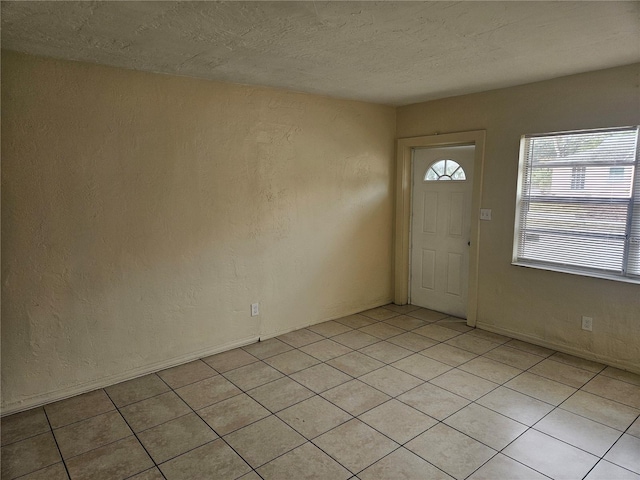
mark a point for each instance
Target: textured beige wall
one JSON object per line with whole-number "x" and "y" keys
{"x": 143, "y": 214}
{"x": 540, "y": 305}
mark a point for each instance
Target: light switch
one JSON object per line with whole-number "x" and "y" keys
{"x": 485, "y": 214}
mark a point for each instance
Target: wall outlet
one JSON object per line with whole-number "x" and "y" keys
{"x": 587, "y": 323}
{"x": 485, "y": 214}
{"x": 255, "y": 309}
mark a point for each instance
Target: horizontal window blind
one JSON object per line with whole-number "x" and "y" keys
{"x": 576, "y": 206}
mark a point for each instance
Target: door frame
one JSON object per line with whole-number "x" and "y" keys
{"x": 402, "y": 231}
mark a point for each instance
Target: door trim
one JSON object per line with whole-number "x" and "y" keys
{"x": 402, "y": 238}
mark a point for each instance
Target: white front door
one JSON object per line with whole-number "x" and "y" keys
{"x": 441, "y": 228}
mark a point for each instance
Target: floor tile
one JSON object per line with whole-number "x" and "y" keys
{"x": 382, "y": 330}
{"x": 121, "y": 459}
{"x": 306, "y": 462}
{"x": 267, "y": 348}
{"x": 441, "y": 446}
{"x": 320, "y": 377}
{"x": 403, "y": 465}
{"x": 490, "y": 370}
{"x": 599, "y": 409}
{"x": 436, "y": 332}
{"x": 280, "y": 394}
{"x": 386, "y": 352}
{"x": 264, "y": 440}
{"x": 355, "y": 364}
{"x": 405, "y": 322}
{"x": 448, "y": 354}
{"x": 621, "y": 375}
{"x": 578, "y": 431}
{"x": 577, "y": 362}
{"x": 137, "y": 389}
{"x": 235, "y": 412}
{"x": 412, "y": 341}
{"x": 176, "y": 437}
{"x": 252, "y": 375}
{"x": 355, "y": 339}
{"x": 355, "y": 397}
{"x": 549, "y": 456}
{"x": 355, "y": 445}
{"x": 207, "y": 392}
{"x": 154, "y": 411}
{"x": 427, "y": 315}
{"x": 563, "y": 373}
{"x": 213, "y": 460}
{"x": 626, "y": 453}
{"x": 401, "y": 309}
{"x": 501, "y": 467}
{"x": 379, "y": 313}
{"x": 329, "y": 329}
{"x": 313, "y": 417}
{"x": 515, "y": 405}
{"x": 453, "y": 377}
{"x": 464, "y": 384}
{"x": 530, "y": 348}
{"x": 325, "y": 350}
{"x": 78, "y": 408}
{"x": 151, "y": 474}
{"x": 622, "y": 392}
{"x": 300, "y": 338}
{"x": 182, "y": 375}
{"x": 53, "y": 472}
{"x": 434, "y": 401}
{"x": 513, "y": 357}
{"x": 232, "y": 359}
{"x": 391, "y": 381}
{"x": 422, "y": 367}
{"x": 355, "y": 321}
{"x": 29, "y": 455}
{"x": 20, "y": 426}
{"x": 397, "y": 420}
{"x": 91, "y": 433}
{"x": 472, "y": 344}
{"x": 291, "y": 361}
{"x": 608, "y": 471}
{"x": 541, "y": 388}
{"x": 486, "y": 426}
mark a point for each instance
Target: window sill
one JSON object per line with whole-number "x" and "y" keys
{"x": 582, "y": 273}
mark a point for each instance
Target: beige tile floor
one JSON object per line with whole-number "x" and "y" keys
{"x": 391, "y": 393}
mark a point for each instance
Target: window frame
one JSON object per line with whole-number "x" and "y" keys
{"x": 632, "y": 202}
{"x": 444, "y": 176}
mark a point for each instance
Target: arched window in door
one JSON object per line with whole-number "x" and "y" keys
{"x": 444, "y": 170}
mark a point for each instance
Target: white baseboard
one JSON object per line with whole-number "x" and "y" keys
{"x": 578, "y": 352}
{"x": 359, "y": 310}
{"x": 45, "y": 398}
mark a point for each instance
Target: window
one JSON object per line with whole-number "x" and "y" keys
{"x": 444, "y": 170}
{"x": 578, "y": 205}
{"x": 578, "y": 176}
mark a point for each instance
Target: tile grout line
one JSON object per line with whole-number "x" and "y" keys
{"x": 135, "y": 434}
{"x": 64, "y": 463}
{"x": 353, "y": 417}
{"x": 220, "y": 437}
{"x": 401, "y": 445}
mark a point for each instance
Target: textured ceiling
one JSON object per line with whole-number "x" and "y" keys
{"x": 385, "y": 52}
